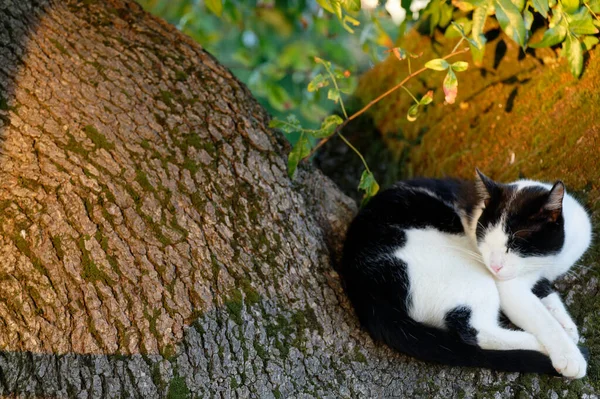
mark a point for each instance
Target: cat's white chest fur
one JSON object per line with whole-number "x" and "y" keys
{"x": 445, "y": 272}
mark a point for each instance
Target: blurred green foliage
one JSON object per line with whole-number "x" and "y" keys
{"x": 271, "y": 45}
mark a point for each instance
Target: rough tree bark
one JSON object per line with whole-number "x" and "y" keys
{"x": 151, "y": 243}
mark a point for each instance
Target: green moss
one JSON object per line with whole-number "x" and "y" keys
{"x": 152, "y": 318}
{"x": 234, "y": 305}
{"x": 198, "y": 200}
{"x": 260, "y": 351}
{"x": 23, "y": 246}
{"x": 252, "y": 297}
{"x": 28, "y": 183}
{"x": 59, "y": 46}
{"x": 98, "y": 138}
{"x": 156, "y": 229}
{"x": 358, "y": 356}
{"x": 277, "y": 394}
{"x": 193, "y": 140}
{"x": 145, "y": 144}
{"x": 169, "y": 352}
{"x": 134, "y": 195}
{"x": 177, "y": 227}
{"x": 167, "y": 97}
{"x": 142, "y": 179}
{"x": 191, "y": 165}
{"x": 76, "y": 147}
{"x": 181, "y": 76}
{"x": 178, "y": 389}
{"x": 57, "y": 244}
{"x": 90, "y": 271}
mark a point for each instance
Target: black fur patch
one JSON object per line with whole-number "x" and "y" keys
{"x": 497, "y": 203}
{"x": 458, "y": 321}
{"x": 542, "y": 288}
{"x": 532, "y": 231}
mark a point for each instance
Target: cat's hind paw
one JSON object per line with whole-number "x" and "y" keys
{"x": 570, "y": 365}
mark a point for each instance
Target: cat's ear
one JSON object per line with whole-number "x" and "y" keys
{"x": 554, "y": 203}
{"x": 485, "y": 187}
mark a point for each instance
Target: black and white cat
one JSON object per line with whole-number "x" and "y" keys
{"x": 429, "y": 266}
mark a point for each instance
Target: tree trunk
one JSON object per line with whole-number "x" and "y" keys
{"x": 152, "y": 244}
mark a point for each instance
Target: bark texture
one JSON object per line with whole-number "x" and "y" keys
{"x": 151, "y": 243}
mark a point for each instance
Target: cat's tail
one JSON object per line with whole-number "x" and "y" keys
{"x": 398, "y": 331}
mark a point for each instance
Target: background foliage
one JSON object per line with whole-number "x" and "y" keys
{"x": 300, "y": 58}
{"x": 271, "y": 45}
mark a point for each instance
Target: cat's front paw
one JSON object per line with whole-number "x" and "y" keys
{"x": 570, "y": 363}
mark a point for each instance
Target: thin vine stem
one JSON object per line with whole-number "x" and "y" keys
{"x": 593, "y": 13}
{"x": 355, "y": 150}
{"x": 336, "y": 88}
{"x": 376, "y": 100}
{"x": 410, "y": 93}
{"x": 458, "y": 44}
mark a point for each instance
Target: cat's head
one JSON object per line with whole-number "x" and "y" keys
{"x": 520, "y": 227}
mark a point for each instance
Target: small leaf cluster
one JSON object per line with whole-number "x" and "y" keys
{"x": 334, "y": 79}
{"x": 450, "y": 81}
{"x": 572, "y": 23}
{"x": 341, "y": 8}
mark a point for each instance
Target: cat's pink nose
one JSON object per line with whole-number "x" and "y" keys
{"x": 496, "y": 268}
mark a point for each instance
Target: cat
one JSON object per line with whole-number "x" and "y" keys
{"x": 430, "y": 265}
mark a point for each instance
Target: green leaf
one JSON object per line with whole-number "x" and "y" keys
{"x": 528, "y": 19}
{"x": 589, "y": 42}
{"x": 437, "y": 64}
{"x": 478, "y": 51}
{"x": 552, "y": 37}
{"x": 594, "y": 6}
{"x": 427, "y": 98}
{"x": 333, "y": 94}
{"x": 450, "y": 87}
{"x": 347, "y": 20}
{"x": 351, "y": 5}
{"x": 290, "y": 125}
{"x": 326, "y": 5}
{"x": 462, "y": 33}
{"x": 412, "y": 113}
{"x": 479, "y": 18}
{"x": 583, "y": 26}
{"x": 445, "y": 15}
{"x": 318, "y": 82}
{"x": 460, "y": 66}
{"x": 328, "y": 126}
{"x": 541, "y": 6}
{"x": 300, "y": 150}
{"x": 570, "y": 6}
{"x": 369, "y": 185}
{"x": 458, "y": 28}
{"x": 520, "y": 4}
{"x": 478, "y": 3}
{"x": 434, "y": 12}
{"x": 510, "y": 20}
{"x": 215, "y": 6}
{"x": 574, "y": 53}
{"x": 278, "y": 97}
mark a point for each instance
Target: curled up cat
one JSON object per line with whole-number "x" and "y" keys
{"x": 430, "y": 265}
